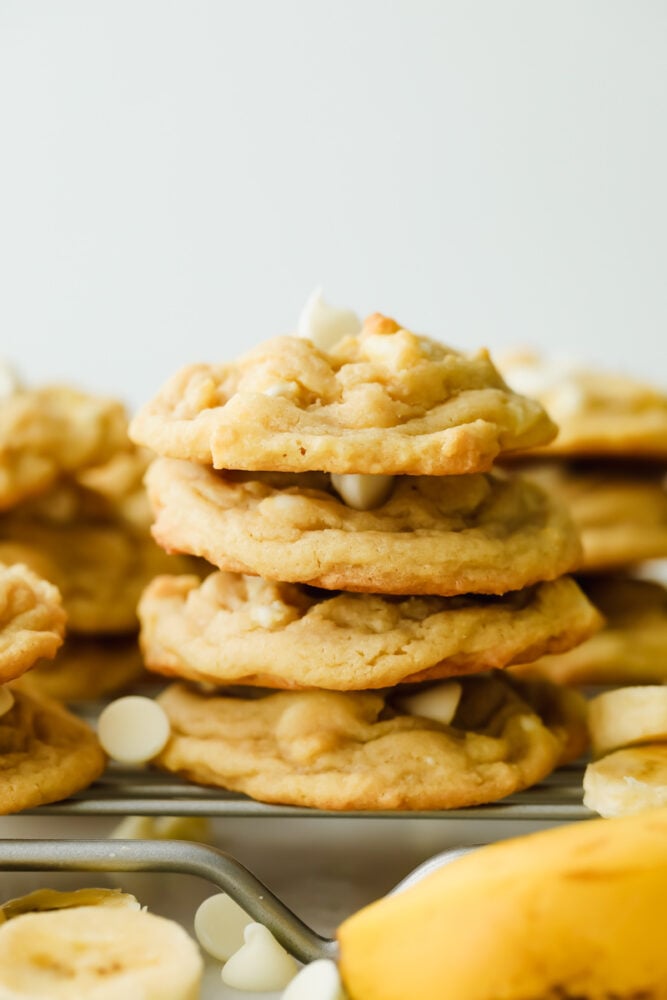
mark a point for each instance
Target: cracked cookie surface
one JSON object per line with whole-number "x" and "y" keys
{"x": 232, "y": 629}
{"x": 386, "y": 401}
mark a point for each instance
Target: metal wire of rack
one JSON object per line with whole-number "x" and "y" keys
{"x": 142, "y": 792}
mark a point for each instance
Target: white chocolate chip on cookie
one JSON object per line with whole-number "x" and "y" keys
{"x": 362, "y": 492}
{"x": 325, "y": 325}
{"x": 438, "y": 702}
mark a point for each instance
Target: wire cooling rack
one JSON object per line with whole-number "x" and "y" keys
{"x": 143, "y": 792}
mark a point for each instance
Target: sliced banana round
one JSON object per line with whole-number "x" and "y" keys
{"x": 97, "y": 952}
{"x": 627, "y": 716}
{"x": 54, "y": 899}
{"x": 627, "y": 781}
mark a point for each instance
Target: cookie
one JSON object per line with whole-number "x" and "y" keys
{"x": 232, "y": 629}
{"x": 32, "y": 620}
{"x": 627, "y": 781}
{"x": 99, "y": 559}
{"x": 46, "y": 754}
{"x": 632, "y": 646}
{"x": 483, "y": 533}
{"x": 597, "y": 413}
{"x": 619, "y": 510}
{"x": 335, "y": 750}
{"x": 89, "y": 668}
{"x": 120, "y": 484}
{"x": 50, "y": 431}
{"x": 386, "y": 401}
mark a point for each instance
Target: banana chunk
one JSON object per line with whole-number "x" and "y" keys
{"x": 627, "y": 781}
{"x": 627, "y": 716}
{"x": 97, "y": 952}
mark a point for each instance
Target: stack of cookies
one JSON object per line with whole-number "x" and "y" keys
{"x": 365, "y": 550}
{"x": 73, "y": 508}
{"x": 45, "y": 753}
{"x": 608, "y": 464}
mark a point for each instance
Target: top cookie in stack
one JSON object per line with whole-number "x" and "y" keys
{"x": 361, "y": 468}
{"x": 608, "y": 465}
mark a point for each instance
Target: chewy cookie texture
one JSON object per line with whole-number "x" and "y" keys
{"x": 219, "y": 632}
{"x": 483, "y": 533}
{"x": 73, "y": 508}
{"x": 384, "y": 401}
{"x": 345, "y": 750}
{"x": 344, "y": 587}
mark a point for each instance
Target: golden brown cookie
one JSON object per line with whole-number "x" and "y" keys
{"x": 46, "y": 753}
{"x": 232, "y": 629}
{"x": 32, "y": 620}
{"x": 620, "y": 510}
{"x": 100, "y": 560}
{"x": 335, "y": 750}
{"x": 387, "y": 401}
{"x": 597, "y": 413}
{"x": 50, "y": 431}
{"x": 630, "y": 649}
{"x": 484, "y": 533}
{"x": 120, "y": 484}
{"x": 89, "y": 668}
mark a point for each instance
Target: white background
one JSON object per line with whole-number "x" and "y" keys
{"x": 175, "y": 177}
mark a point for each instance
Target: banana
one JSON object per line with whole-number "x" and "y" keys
{"x": 97, "y": 953}
{"x": 53, "y": 899}
{"x": 627, "y": 781}
{"x": 576, "y": 911}
{"x": 627, "y": 715}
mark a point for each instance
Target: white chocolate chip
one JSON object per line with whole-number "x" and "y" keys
{"x": 9, "y": 379}
{"x": 219, "y": 926}
{"x": 134, "y": 828}
{"x": 162, "y": 828}
{"x": 535, "y": 378}
{"x": 281, "y": 389}
{"x": 133, "y": 729}
{"x": 325, "y": 325}
{"x": 268, "y": 615}
{"x": 565, "y": 400}
{"x": 438, "y": 702}
{"x": 260, "y": 964}
{"x": 320, "y": 980}
{"x": 6, "y": 699}
{"x": 361, "y": 491}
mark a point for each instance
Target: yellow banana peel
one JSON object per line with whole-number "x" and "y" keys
{"x": 572, "y": 913}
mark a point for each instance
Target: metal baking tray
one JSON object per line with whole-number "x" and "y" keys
{"x": 299, "y": 878}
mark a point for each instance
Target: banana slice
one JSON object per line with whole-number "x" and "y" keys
{"x": 97, "y": 952}
{"x": 626, "y": 716}
{"x": 627, "y": 781}
{"x": 53, "y": 899}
